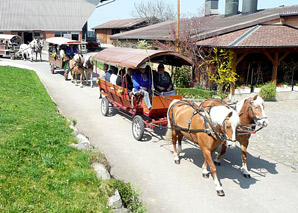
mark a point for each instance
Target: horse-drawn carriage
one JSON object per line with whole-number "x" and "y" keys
{"x": 58, "y": 57}
{"x": 126, "y": 101}
{"x": 10, "y": 45}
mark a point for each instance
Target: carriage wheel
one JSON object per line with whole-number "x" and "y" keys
{"x": 104, "y": 106}
{"x": 138, "y": 127}
{"x": 52, "y": 69}
{"x": 12, "y": 56}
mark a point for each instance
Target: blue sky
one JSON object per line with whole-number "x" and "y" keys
{"x": 122, "y": 9}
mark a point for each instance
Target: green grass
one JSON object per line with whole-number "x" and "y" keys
{"x": 39, "y": 171}
{"x": 195, "y": 93}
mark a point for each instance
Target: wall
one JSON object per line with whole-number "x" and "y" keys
{"x": 104, "y": 36}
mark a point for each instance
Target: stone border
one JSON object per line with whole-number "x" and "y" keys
{"x": 115, "y": 201}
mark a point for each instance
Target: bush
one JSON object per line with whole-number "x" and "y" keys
{"x": 182, "y": 77}
{"x": 268, "y": 91}
{"x": 195, "y": 93}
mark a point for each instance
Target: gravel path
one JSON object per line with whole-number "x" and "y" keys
{"x": 279, "y": 140}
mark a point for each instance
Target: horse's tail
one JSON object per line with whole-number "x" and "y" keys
{"x": 169, "y": 131}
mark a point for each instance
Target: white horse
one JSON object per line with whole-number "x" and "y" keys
{"x": 37, "y": 46}
{"x": 88, "y": 69}
{"x": 26, "y": 52}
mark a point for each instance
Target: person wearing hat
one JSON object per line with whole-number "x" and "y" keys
{"x": 162, "y": 80}
{"x": 142, "y": 84}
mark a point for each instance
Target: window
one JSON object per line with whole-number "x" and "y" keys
{"x": 75, "y": 37}
{"x": 36, "y": 34}
{"x": 60, "y": 34}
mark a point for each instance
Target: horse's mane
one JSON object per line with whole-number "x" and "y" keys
{"x": 219, "y": 113}
{"x": 258, "y": 102}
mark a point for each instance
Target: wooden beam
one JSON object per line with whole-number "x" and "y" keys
{"x": 275, "y": 67}
{"x": 283, "y": 57}
{"x": 241, "y": 58}
{"x": 269, "y": 57}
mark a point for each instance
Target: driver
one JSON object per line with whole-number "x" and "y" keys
{"x": 142, "y": 84}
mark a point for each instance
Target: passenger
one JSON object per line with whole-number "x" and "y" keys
{"x": 102, "y": 72}
{"x": 119, "y": 80}
{"x": 127, "y": 79}
{"x": 163, "y": 82}
{"x": 71, "y": 51}
{"x": 142, "y": 84}
{"x": 114, "y": 76}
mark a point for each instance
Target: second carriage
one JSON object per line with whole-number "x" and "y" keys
{"x": 58, "y": 58}
{"x": 10, "y": 45}
{"x": 126, "y": 101}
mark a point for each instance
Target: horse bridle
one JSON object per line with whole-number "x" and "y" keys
{"x": 255, "y": 118}
{"x": 224, "y": 132}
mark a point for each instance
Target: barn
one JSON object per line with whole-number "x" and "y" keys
{"x": 45, "y": 18}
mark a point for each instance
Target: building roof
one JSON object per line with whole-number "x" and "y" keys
{"x": 45, "y": 15}
{"x": 121, "y": 24}
{"x": 206, "y": 27}
{"x": 259, "y": 36}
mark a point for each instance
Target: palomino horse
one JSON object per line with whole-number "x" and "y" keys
{"x": 37, "y": 46}
{"x": 76, "y": 67}
{"x": 251, "y": 112}
{"x": 88, "y": 68}
{"x": 207, "y": 130}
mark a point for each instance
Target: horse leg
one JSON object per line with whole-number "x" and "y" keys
{"x": 208, "y": 158}
{"x": 174, "y": 140}
{"x": 222, "y": 152}
{"x": 180, "y": 136}
{"x": 76, "y": 78}
{"x": 205, "y": 172}
{"x": 244, "y": 169}
{"x": 81, "y": 79}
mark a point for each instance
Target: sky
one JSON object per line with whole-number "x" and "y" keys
{"x": 122, "y": 9}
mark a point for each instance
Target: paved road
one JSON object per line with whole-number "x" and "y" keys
{"x": 167, "y": 187}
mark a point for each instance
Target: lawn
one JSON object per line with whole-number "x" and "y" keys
{"x": 39, "y": 171}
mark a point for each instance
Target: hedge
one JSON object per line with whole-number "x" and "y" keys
{"x": 195, "y": 93}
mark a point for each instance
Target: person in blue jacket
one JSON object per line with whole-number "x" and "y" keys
{"x": 142, "y": 84}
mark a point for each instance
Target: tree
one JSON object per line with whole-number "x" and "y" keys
{"x": 154, "y": 11}
{"x": 190, "y": 29}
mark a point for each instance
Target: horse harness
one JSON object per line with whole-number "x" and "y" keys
{"x": 205, "y": 116}
{"x": 250, "y": 128}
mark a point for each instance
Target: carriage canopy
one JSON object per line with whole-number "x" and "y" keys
{"x": 63, "y": 41}
{"x": 133, "y": 58}
{"x": 6, "y": 37}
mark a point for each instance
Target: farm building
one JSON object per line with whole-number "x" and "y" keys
{"x": 265, "y": 42}
{"x": 45, "y": 18}
{"x": 105, "y": 30}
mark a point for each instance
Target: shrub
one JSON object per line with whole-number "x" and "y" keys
{"x": 182, "y": 77}
{"x": 268, "y": 91}
{"x": 195, "y": 93}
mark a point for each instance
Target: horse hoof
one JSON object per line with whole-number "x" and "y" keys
{"x": 177, "y": 161}
{"x": 205, "y": 176}
{"x": 246, "y": 175}
{"x": 216, "y": 163}
{"x": 220, "y": 193}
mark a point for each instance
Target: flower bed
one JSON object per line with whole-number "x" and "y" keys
{"x": 243, "y": 89}
{"x": 283, "y": 88}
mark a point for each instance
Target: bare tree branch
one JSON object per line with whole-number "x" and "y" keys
{"x": 154, "y": 11}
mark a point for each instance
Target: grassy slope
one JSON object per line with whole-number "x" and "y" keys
{"x": 39, "y": 171}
